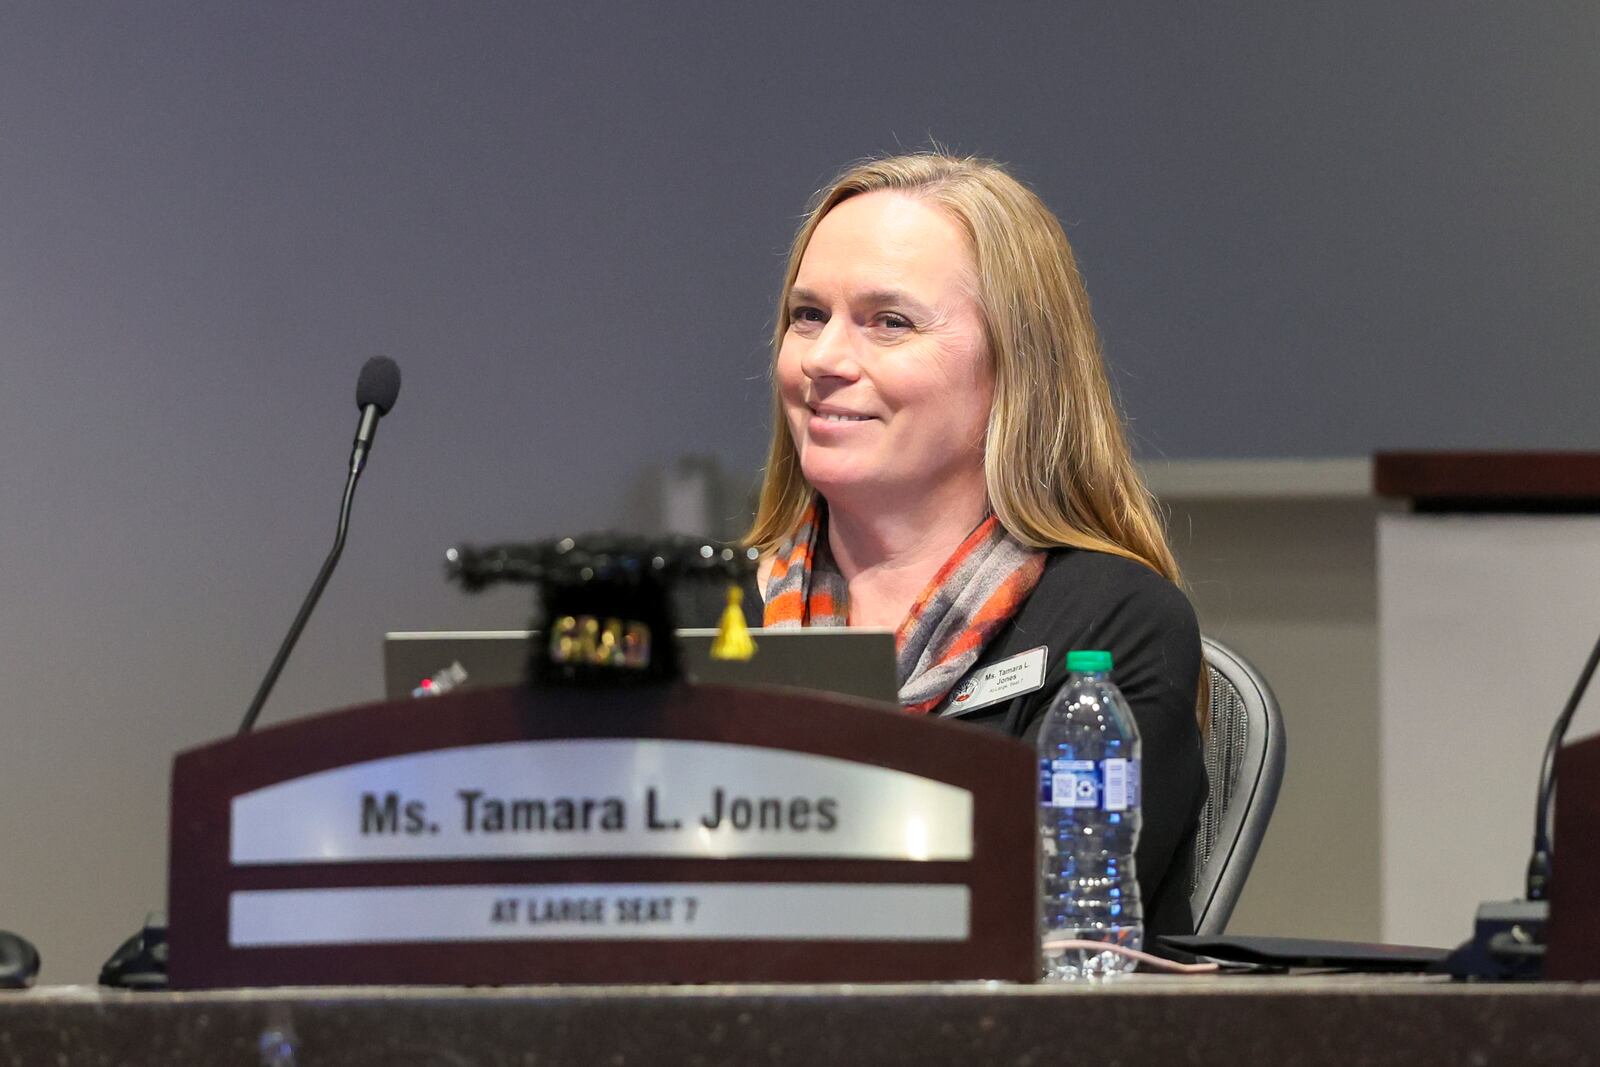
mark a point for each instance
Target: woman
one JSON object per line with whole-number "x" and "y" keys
{"x": 947, "y": 461}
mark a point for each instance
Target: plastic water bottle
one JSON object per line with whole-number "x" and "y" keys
{"x": 1089, "y": 822}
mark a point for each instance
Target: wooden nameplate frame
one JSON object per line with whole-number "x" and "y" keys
{"x": 675, "y": 834}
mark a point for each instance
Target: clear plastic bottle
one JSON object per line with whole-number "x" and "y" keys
{"x": 1089, "y": 822}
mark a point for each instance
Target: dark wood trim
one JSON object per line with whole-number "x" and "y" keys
{"x": 1573, "y": 937}
{"x": 1481, "y": 480}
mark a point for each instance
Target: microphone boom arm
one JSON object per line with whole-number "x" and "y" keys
{"x": 310, "y": 603}
{"x": 1539, "y": 863}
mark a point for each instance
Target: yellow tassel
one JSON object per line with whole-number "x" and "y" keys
{"x": 733, "y": 636}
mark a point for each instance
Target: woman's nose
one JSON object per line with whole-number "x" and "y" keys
{"x": 832, "y": 353}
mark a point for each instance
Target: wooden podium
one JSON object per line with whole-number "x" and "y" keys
{"x": 680, "y": 833}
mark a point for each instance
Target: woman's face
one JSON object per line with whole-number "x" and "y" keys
{"x": 883, "y": 373}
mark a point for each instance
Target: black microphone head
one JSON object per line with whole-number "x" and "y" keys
{"x": 378, "y": 385}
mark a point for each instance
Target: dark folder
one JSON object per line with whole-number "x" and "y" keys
{"x": 1304, "y": 952}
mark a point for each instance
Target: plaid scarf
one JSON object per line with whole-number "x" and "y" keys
{"x": 975, "y": 592}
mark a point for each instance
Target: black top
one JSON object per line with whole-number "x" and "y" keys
{"x": 1094, "y": 600}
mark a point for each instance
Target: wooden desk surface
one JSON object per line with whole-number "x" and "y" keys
{"x": 1333, "y": 1019}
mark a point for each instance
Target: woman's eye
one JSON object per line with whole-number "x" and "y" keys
{"x": 805, "y": 314}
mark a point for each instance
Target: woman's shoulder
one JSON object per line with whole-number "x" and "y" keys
{"x": 1084, "y": 591}
{"x": 1103, "y": 578}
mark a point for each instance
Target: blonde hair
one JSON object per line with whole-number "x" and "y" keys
{"x": 1057, "y": 465}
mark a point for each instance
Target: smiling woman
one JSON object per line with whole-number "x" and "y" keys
{"x": 947, "y": 461}
{"x": 884, "y": 375}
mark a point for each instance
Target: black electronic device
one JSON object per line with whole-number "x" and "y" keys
{"x": 1507, "y": 943}
{"x": 141, "y": 961}
{"x": 19, "y": 961}
{"x": 604, "y": 613}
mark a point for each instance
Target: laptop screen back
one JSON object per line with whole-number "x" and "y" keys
{"x": 850, "y": 662}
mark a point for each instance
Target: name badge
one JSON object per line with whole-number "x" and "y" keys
{"x": 1022, "y": 673}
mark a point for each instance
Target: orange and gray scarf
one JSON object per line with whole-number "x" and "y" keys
{"x": 978, "y": 589}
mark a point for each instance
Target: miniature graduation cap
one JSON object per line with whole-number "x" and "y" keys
{"x": 604, "y": 602}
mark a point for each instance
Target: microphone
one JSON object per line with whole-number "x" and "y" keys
{"x": 1508, "y": 938}
{"x": 376, "y": 391}
{"x": 1539, "y": 863}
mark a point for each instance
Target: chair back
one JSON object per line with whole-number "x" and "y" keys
{"x": 1244, "y": 752}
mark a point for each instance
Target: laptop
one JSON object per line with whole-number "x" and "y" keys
{"x": 848, "y": 661}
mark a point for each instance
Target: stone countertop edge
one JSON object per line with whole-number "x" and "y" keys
{"x": 1141, "y": 985}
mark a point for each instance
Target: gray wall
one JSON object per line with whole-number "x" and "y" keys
{"x": 1292, "y": 584}
{"x": 1309, "y": 230}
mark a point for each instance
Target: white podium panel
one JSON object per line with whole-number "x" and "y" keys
{"x": 1484, "y": 622}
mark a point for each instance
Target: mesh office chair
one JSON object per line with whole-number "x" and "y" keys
{"x": 1244, "y": 760}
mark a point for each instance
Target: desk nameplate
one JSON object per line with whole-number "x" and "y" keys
{"x": 904, "y": 848}
{"x": 602, "y": 797}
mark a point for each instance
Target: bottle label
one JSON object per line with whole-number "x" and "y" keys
{"x": 1110, "y": 785}
{"x": 1120, "y": 781}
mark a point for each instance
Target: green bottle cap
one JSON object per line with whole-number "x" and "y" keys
{"x": 1087, "y": 661}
